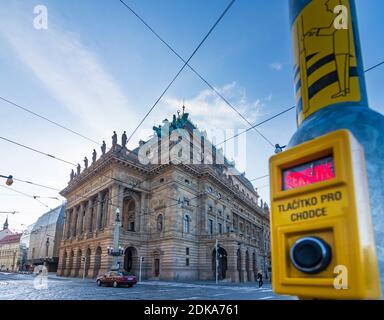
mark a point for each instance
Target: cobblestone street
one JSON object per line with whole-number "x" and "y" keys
{"x": 20, "y": 287}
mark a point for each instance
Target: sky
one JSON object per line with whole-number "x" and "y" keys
{"x": 97, "y": 68}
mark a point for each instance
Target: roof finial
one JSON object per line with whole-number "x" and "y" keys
{"x": 5, "y": 226}
{"x": 183, "y": 107}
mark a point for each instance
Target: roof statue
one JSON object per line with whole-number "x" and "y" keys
{"x": 103, "y": 148}
{"x": 5, "y": 225}
{"x": 85, "y": 162}
{"x": 114, "y": 139}
{"x": 94, "y": 156}
{"x": 124, "y": 140}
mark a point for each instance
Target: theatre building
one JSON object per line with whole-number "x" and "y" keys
{"x": 172, "y": 215}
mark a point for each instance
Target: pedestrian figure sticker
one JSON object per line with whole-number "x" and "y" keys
{"x": 325, "y": 69}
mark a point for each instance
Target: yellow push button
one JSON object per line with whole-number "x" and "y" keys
{"x": 310, "y": 255}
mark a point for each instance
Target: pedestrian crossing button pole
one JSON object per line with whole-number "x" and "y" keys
{"x": 330, "y": 91}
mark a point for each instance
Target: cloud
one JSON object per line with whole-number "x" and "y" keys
{"x": 72, "y": 73}
{"x": 211, "y": 114}
{"x": 276, "y": 66}
{"x": 207, "y": 110}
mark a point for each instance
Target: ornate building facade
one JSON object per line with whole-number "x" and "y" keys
{"x": 172, "y": 213}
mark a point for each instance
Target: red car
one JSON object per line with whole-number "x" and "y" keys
{"x": 117, "y": 278}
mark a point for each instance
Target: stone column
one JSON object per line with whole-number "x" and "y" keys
{"x": 80, "y": 219}
{"x": 73, "y": 221}
{"x": 204, "y": 215}
{"x": 81, "y": 262}
{"x": 66, "y": 220}
{"x": 232, "y": 263}
{"x": 143, "y": 217}
{"x": 69, "y": 223}
{"x": 88, "y": 218}
{"x": 75, "y": 264}
{"x": 91, "y": 262}
{"x": 60, "y": 263}
{"x": 251, "y": 271}
{"x": 106, "y": 207}
{"x": 98, "y": 211}
{"x": 243, "y": 267}
{"x": 138, "y": 222}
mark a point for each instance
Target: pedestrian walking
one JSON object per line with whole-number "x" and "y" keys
{"x": 260, "y": 279}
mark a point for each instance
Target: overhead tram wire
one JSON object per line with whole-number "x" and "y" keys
{"x": 259, "y": 178}
{"x": 182, "y": 68}
{"x": 277, "y": 115}
{"x": 36, "y": 184}
{"x": 49, "y": 120}
{"x": 65, "y": 161}
{"x": 195, "y": 72}
{"x": 257, "y": 125}
{"x": 26, "y": 195}
{"x": 125, "y": 183}
{"x": 132, "y": 186}
{"x": 374, "y": 67}
{"x": 37, "y": 151}
{"x": 93, "y": 141}
{"x": 109, "y": 203}
{"x": 62, "y": 160}
{"x": 286, "y": 110}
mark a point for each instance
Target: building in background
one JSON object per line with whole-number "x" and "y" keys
{"x": 45, "y": 238}
{"x": 5, "y": 232}
{"x": 24, "y": 242}
{"x": 171, "y": 214}
{"x": 11, "y": 252}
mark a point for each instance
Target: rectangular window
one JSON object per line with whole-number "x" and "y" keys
{"x": 186, "y": 224}
{"x": 187, "y": 251}
{"x": 210, "y": 226}
{"x": 187, "y": 262}
{"x": 220, "y": 228}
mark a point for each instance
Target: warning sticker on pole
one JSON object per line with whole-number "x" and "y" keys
{"x": 325, "y": 68}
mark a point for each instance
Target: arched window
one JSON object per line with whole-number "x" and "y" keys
{"x": 129, "y": 214}
{"x": 160, "y": 222}
{"x": 186, "y": 224}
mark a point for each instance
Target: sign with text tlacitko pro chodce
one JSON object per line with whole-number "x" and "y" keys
{"x": 322, "y": 238}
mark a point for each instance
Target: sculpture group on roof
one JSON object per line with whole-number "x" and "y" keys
{"x": 103, "y": 148}
{"x": 177, "y": 123}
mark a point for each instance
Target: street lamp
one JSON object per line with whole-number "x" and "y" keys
{"x": 116, "y": 250}
{"x": 115, "y": 253}
{"x": 9, "y": 180}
